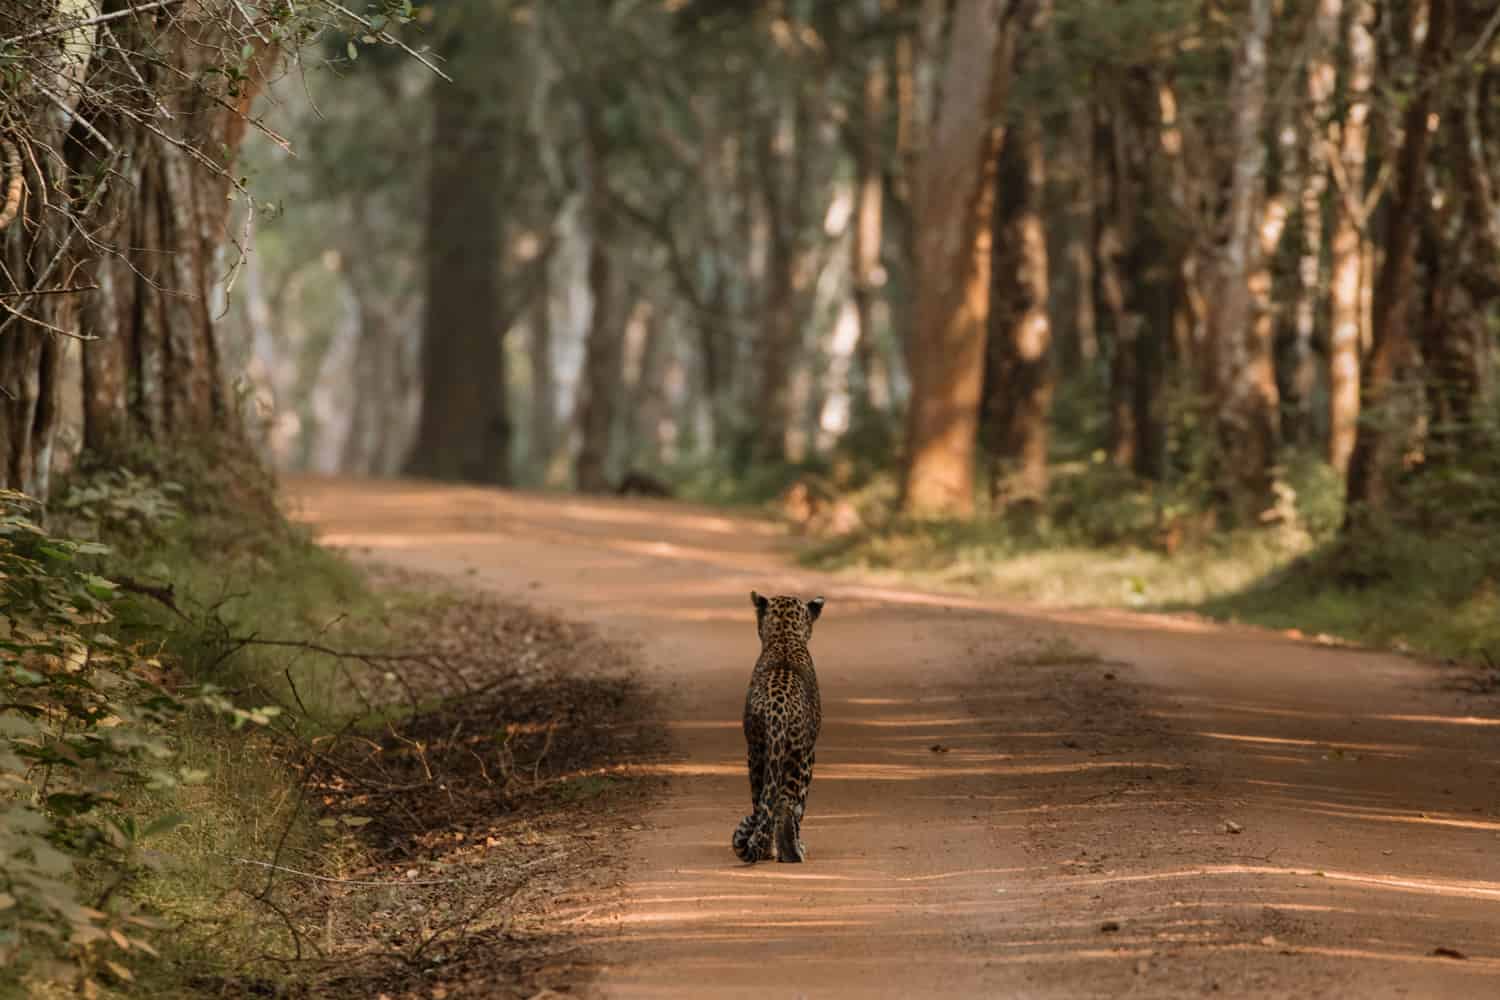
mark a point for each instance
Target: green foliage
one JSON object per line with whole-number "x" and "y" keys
{"x": 83, "y": 719}
{"x": 1423, "y": 574}
{"x": 121, "y": 503}
{"x": 130, "y": 712}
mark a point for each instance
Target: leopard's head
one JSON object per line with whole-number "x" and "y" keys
{"x": 780, "y": 618}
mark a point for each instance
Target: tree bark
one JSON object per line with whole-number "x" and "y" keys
{"x": 463, "y": 432}
{"x": 1322, "y": 76}
{"x": 872, "y": 391}
{"x": 1079, "y": 341}
{"x": 156, "y": 192}
{"x": 1462, "y": 248}
{"x": 1113, "y": 234}
{"x": 1019, "y": 377}
{"x": 783, "y": 147}
{"x": 1391, "y": 338}
{"x": 956, "y": 190}
{"x": 543, "y": 436}
{"x": 1248, "y": 421}
{"x": 1346, "y": 266}
{"x": 602, "y": 365}
{"x": 649, "y": 407}
{"x": 1137, "y": 268}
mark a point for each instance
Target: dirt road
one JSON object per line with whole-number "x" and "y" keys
{"x": 1007, "y": 802}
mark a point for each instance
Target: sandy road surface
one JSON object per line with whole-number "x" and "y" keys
{"x": 1007, "y": 802}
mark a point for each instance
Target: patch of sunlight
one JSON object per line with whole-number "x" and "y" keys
{"x": 1462, "y": 888}
{"x": 1441, "y": 720}
{"x": 1391, "y": 749}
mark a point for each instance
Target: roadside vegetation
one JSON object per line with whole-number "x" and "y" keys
{"x": 231, "y": 762}
{"x": 1425, "y": 577}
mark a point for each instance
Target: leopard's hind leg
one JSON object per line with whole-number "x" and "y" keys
{"x": 754, "y": 837}
{"x": 796, "y": 779}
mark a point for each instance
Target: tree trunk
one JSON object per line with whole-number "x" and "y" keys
{"x": 1463, "y": 248}
{"x": 1116, "y": 208}
{"x": 1244, "y": 372}
{"x": 602, "y": 375}
{"x": 872, "y": 390}
{"x": 1078, "y": 342}
{"x": 1137, "y": 269}
{"x": 782, "y": 169}
{"x": 1018, "y": 390}
{"x": 956, "y": 190}
{"x": 463, "y": 432}
{"x": 157, "y": 189}
{"x": 1346, "y": 281}
{"x": 645, "y": 364}
{"x": 1391, "y": 338}
{"x": 1321, "y": 79}
{"x": 543, "y": 436}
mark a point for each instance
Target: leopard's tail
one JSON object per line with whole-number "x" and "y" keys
{"x": 752, "y": 838}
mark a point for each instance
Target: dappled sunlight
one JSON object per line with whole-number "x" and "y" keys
{"x": 1437, "y": 887}
{"x": 897, "y": 772}
{"x": 1441, "y": 720}
{"x": 1418, "y": 819}
{"x": 1374, "y": 749}
{"x": 1489, "y": 965}
{"x": 973, "y": 801}
{"x": 908, "y": 722}
{"x": 658, "y": 517}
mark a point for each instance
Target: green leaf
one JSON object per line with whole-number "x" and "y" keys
{"x": 100, "y": 587}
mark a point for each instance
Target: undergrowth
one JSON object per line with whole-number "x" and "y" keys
{"x": 1424, "y": 578}
{"x": 1101, "y": 538}
{"x": 146, "y": 729}
{"x": 1423, "y": 574}
{"x": 220, "y": 776}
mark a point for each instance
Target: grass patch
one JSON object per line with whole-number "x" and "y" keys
{"x": 1438, "y": 595}
{"x": 993, "y": 558}
{"x": 1428, "y": 583}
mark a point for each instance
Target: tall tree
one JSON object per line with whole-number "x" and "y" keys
{"x": 873, "y": 381}
{"x": 1322, "y": 77}
{"x": 955, "y": 192}
{"x": 1349, "y": 138}
{"x": 602, "y": 378}
{"x": 464, "y": 429}
{"x": 121, "y": 139}
{"x": 1247, "y": 403}
{"x": 1394, "y": 290}
{"x": 1019, "y": 376}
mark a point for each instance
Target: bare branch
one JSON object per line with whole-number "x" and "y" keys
{"x": 67, "y": 26}
{"x": 388, "y": 38}
{"x": 13, "y": 184}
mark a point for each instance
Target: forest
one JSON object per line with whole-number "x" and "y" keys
{"x": 1144, "y": 274}
{"x": 1177, "y": 306}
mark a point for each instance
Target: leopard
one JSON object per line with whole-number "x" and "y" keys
{"x": 783, "y": 714}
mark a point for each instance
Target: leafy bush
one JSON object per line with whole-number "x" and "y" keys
{"x": 86, "y": 724}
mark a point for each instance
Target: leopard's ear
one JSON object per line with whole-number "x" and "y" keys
{"x": 761, "y": 603}
{"x": 814, "y": 608}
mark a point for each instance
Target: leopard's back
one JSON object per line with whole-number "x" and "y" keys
{"x": 783, "y": 714}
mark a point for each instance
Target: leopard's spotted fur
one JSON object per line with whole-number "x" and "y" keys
{"x": 782, "y": 716}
